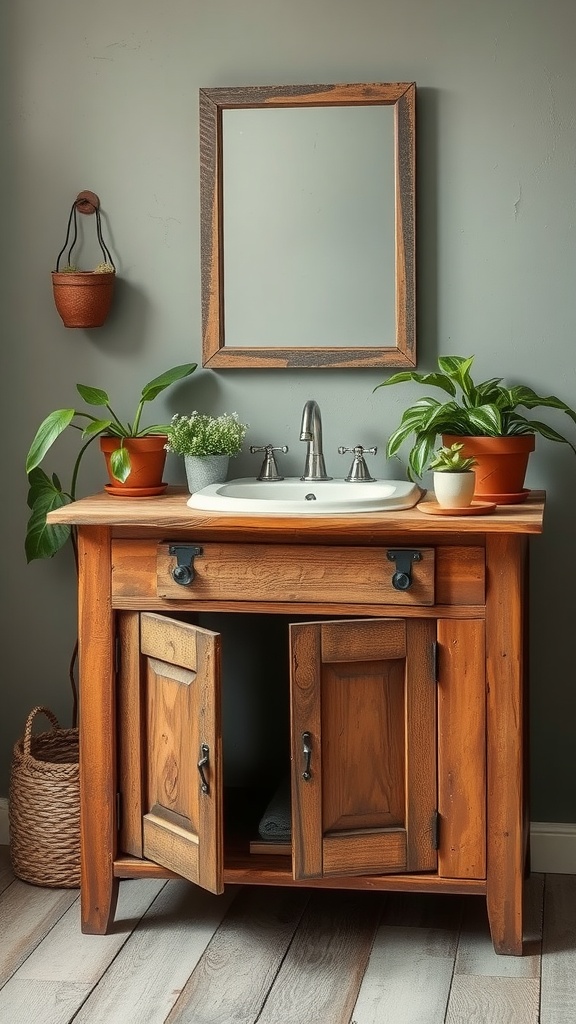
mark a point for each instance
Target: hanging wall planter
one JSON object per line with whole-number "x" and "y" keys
{"x": 83, "y": 297}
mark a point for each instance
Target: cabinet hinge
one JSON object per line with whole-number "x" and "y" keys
{"x": 435, "y": 830}
{"x": 118, "y": 811}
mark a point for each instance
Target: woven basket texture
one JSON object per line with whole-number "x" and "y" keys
{"x": 44, "y": 805}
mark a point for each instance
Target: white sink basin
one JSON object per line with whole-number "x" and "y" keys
{"x": 293, "y": 496}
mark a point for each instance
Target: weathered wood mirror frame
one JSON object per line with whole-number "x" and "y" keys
{"x": 400, "y": 351}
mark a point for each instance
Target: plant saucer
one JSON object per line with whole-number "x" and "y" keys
{"x": 475, "y": 508}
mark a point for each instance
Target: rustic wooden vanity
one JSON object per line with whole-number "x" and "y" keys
{"x": 408, "y": 698}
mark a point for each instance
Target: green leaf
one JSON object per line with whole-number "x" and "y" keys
{"x": 530, "y": 400}
{"x": 93, "y": 396}
{"x": 47, "y": 432}
{"x": 44, "y": 540}
{"x": 159, "y": 384}
{"x": 437, "y": 380}
{"x": 96, "y": 427}
{"x": 158, "y": 428}
{"x": 486, "y": 419}
{"x": 548, "y": 432}
{"x": 120, "y": 464}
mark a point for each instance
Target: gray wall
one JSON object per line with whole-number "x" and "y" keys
{"x": 106, "y": 98}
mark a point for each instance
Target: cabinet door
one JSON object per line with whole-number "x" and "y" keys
{"x": 364, "y": 747}
{"x": 169, "y": 694}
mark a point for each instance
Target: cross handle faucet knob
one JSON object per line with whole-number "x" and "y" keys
{"x": 359, "y": 471}
{"x": 269, "y": 469}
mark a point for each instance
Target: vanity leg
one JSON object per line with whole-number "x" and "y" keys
{"x": 506, "y": 690}
{"x": 97, "y": 724}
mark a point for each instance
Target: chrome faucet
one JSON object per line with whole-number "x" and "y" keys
{"x": 311, "y": 431}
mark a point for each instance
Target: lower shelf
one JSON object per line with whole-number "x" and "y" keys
{"x": 253, "y": 869}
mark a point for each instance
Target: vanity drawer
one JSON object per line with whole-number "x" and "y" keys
{"x": 289, "y": 573}
{"x": 293, "y": 573}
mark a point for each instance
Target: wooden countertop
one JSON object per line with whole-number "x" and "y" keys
{"x": 169, "y": 511}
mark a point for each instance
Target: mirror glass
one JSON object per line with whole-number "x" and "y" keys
{"x": 307, "y": 231}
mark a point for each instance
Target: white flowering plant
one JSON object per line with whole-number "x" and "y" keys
{"x": 202, "y": 434}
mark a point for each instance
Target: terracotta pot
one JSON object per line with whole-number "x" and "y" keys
{"x": 147, "y": 459}
{"x": 501, "y": 464}
{"x": 83, "y": 299}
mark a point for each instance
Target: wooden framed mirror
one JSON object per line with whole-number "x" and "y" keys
{"x": 307, "y": 197}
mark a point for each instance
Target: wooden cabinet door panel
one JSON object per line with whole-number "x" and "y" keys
{"x": 180, "y": 687}
{"x": 364, "y": 734}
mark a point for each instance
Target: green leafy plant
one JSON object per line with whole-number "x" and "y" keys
{"x": 488, "y": 409}
{"x": 47, "y": 493}
{"x": 449, "y": 459}
{"x": 201, "y": 434}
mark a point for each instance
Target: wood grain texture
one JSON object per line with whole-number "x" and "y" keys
{"x": 183, "y": 827}
{"x": 397, "y": 351}
{"x": 323, "y": 968}
{"x": 462, "y": 749}
{"x": 143, "y": 983}
{"x": 289, "y": 573}
{"x": 178, "y": 954}
{"x": 169, "y": 512}
{"x": 232, "y": 982}
{"x": 27, "y": 913}
{"x": 97, "y": 724}
{"x": 408, "y": 977}
{"x": 506, "y": 794}
{"x": 559, "y": 951}
{"x": 485, "y": 1000}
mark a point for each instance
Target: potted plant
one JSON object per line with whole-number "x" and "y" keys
{"x": 453, "y": 476}
{"x": 484, "y": 417}
{"x": 122, "y": 442}
{"x": 206, "y": 443}
{"x": 83, "y": 297}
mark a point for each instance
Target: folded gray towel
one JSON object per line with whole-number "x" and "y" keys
{"x": 276, "y": 822}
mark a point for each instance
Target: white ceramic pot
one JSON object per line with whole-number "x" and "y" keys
{"x": 202, "y": 470}
{"x": 454, "y": 490}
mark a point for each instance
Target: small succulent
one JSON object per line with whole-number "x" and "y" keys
{"x": 451, "y": 460}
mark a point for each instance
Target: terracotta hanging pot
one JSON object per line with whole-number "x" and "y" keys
{"x": 501, "y": 464}
{"x": 83, "y": 297}
{"x": 147, "y": 460}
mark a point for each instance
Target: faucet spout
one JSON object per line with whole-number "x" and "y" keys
{"x": 311, "y": 432}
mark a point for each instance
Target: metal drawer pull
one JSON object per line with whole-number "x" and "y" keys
{"x": 205, "y": 751}
{"x": 307, "y": 751}
{"x": 402, "y": 578}
{"x": 183, "y": 572}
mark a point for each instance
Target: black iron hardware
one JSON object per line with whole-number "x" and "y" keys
{"x": 307, "y": 751}
{"x": 402, "y": 578}
{"x": 205, "y": 751}
{"x": 183, "y": 572}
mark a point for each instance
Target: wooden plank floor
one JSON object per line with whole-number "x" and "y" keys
{"x": 282, "y": 956}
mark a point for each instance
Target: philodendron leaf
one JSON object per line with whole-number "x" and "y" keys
{"x": 47, "y": 432}
{"x": 159, "y": 384}
{"x": 486, "y": 419}
{"x": 96, "y": 427}
{"x": 120, "y": 464}
{"x": 44, "y": 540}
{"x": 92, "y": 396}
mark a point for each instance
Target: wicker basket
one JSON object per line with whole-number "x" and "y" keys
{"x": 44, "y": 806}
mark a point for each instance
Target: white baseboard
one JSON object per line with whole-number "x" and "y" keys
{"x": 553, "y": 847}
{"x": 552, "y": 843}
